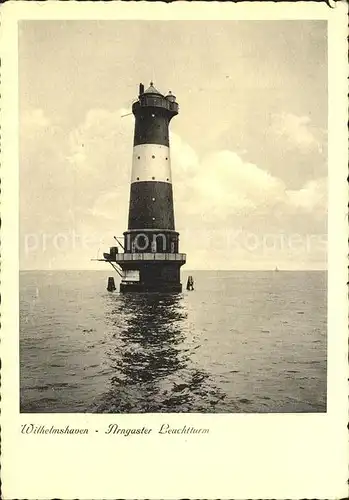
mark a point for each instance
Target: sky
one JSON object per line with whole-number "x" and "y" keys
{"x": 248, "y": 148}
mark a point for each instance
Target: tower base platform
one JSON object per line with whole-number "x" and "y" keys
{"x": 151, "y": 287}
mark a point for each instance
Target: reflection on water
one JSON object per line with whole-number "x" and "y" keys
{"x": 150, "y": 355}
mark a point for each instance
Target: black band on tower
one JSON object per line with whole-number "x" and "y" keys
{"x": 151, "y": 127}
{"x": 151, "y": 206}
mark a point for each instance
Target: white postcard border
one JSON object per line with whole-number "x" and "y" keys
{"x": 243, "y": 456}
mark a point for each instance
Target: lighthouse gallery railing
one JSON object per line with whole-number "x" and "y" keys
{"x": 149, "y": 256}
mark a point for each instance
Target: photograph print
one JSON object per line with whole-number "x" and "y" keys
{"x": 173, "y": 216}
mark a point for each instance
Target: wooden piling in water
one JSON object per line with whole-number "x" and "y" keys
{"x": 111, "y": 284}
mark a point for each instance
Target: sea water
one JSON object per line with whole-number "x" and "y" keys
{"x": 242, "y": 341}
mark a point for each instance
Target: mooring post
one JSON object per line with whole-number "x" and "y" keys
{"x": 190, "y": 283}
{"x": 111, "y": 284}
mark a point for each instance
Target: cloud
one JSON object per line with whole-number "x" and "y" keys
{"x": 102, "y": 130}
{"x": 38, "y": 134}
{"x": 35, "y": 118}
{"x": 79, "y": 180}
{"x": 312, "y": 196}
{"x": 45, "y": 176}
{"x": 97, "y": 166}
{"x": 228, "y": 178}
{"x": 298, "y": 131}
{"x": 184, "y": 159}
{"x": 223, "y": 185}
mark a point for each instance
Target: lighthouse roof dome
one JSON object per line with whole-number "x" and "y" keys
{"x": 152, "y": 90}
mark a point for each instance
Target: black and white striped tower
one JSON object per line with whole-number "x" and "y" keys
{"x": 151, "y": 260}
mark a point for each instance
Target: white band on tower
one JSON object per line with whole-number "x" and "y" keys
{"x": 151, "y": 162}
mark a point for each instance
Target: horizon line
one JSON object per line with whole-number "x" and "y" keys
{"x": 187, "y": 270}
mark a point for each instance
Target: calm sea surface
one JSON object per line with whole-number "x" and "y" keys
{"x": 241, "y": 342}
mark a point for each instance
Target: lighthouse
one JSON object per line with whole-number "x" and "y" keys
{"x": 150, "y": 261}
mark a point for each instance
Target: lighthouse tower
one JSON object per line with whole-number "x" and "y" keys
{"x": 151, "y": 260}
